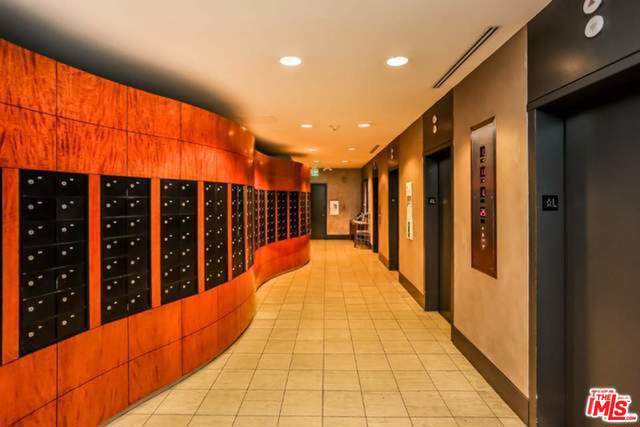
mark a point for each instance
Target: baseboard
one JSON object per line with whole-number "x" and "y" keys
{"x": 513, "y": 397}
{"x": 413, "y": 291}
{"x": 383, "y": 259}
{"x": 338, "y": 237}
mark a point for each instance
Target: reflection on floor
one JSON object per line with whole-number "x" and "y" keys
{"x": 336, "y": 343}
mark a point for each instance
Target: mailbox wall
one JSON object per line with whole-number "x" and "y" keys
{"x": 54, "y": 118}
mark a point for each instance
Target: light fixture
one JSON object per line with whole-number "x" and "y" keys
{"x": 397, "y": 61}
{"x": 364, "y": 125}
{"x": 316, "y": 161}
{"x": 290, "y": 61}
{"x": 345, "y": 161}
{"x": 312, "y": 149}
{"x": 306, "y": 125}
{"x": 351, "y": 149}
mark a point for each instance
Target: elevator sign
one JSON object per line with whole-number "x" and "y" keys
{"x": 315, "y": 172}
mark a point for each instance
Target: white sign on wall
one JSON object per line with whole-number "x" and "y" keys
{"x": 334, "y": 207}
{"x": 409, "y": 194}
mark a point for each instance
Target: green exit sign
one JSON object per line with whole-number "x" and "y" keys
{"x": 315, "y": 172}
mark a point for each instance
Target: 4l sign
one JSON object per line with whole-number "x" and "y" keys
{"x": 610, "y": 406}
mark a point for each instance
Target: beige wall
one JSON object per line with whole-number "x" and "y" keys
{"x": 493, "y": 313}
{"x": 345, "y": 186}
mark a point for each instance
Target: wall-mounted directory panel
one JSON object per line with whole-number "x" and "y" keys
{"x": 483, "y": 198}
{"x": 215, "y": 234}
{"x": 238, "y": 264}
{"x": 261, "y": 230}
{"x": 178, "y": 250}
{"x": 271, "y": 216}
{"x": 294, "y": 215}
{"x": 282, "y": 215}
{"x": 53, "y": 258}
{"x": 251, "y": 226}
{"x": 125, "y": 225}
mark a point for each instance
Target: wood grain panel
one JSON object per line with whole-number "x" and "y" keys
{"x": 200, "y": 126}
{"x": 154, "y": 370}
{"x": 199, "y": 311}
{"x": 226, "y": 330}
{"x": 27, "y": 79}
{"x": 95, "y": 247}
{"x": 88, "y": 355}
{"x": 89, "y": 98}
{"x": 10, "y": 264}
{"x": 154, "y": 328}
{"x": 156, "y": 289}
{"x": 150, "y": 156}
{"x": 43, "y": 417}
{"x": 235, "y": 138}
{"x": 153, "y": 114}
{"x": 21, "y": 396}
{"x": 87, "y": 148}
{"x": 199, "y": 348}
{"x": 198, "y": 162}
{"x": 27, "y": 139}
{"x": 95, "y": 401}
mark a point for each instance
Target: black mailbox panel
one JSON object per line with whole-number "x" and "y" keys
{"x": 215, "y": 234}
{"x": 271, "y": 216}
{"x": 126, "y": 246}
{"x": 178, "y": 239}
{"x": 282, "y": 215}
{"x": 251, "y": 226}
{"x": 303, "y": 213}
{"x": 238, "y": 264}
{"x": 53, "y": 246}
{"x": 261, "y": 230}
{"x": 294, "y": 215}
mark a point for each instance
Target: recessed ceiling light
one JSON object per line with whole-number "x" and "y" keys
{"x": 364, "y": 125}
{"x": 312, "y": 149}
{"x": 345, "y": 161}
{"x": 290, "y": 61}
{"x": 316, "y": 161}
{"x": 397, "y": 61}
{"x": 351, "y": 149}
{"x": 306, "y": 125}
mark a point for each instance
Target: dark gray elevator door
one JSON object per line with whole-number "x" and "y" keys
{"x": 602, "y": 183}
{"x": 444, "y": 235}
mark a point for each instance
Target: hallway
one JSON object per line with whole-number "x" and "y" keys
{"x": 336, "y": 343}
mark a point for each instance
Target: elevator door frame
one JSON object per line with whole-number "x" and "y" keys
{"x": 319, "y": 234}
{"x": 431, "y": 232}
{"x": 375, "y": 209}
{"x": 394, "y": 222}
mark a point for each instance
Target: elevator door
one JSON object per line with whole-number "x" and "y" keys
{"x": 318, "y": 211}
{"x": 394, "y": 236}
{"x": 444, "y": 235}
{"x": 374, "y": 215}
{"x": 602, "y": 183}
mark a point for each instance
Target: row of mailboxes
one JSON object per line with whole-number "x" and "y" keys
{"x": 238, "y": 265}
{"x": 282, "y": 215}
{"x": 215, "y": 234}
{"x": 294, "y": 223}
{"x": 303, "y": 213}
{"x": 178, "y": 236}
{"x": 251, "y": 226}
{"x": 261, "y": 210}
{"x": 53, "y": 242}
{"x": 125, "y": 211}
{"x": 271, "y": 216}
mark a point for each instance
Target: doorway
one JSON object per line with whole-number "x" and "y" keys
{"x": 394, "y": 210}
{"x": 318, "y": 211}
{"x": 374, "y": 213}
{"x": 438, "y": 232}
{"x": 587, "y": 269}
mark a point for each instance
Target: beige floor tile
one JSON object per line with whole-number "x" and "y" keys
{"x": 130, "y": 420}
{"x": 310, "y": 335}
{"x": 344, "y": 422}
{"x": 512, "y": 422}
{"x": 168, "y": 421}
{"x": 478, "y": 422}
{"x": 260, "y": 407}
{"x": 339, "y": 362}
{"x": 425, "y": 404}
{"x": 283, "y": 334}
{"x": 391, "y": 334}
{"x": 300, "y": 422}
{"x": 304, "y": 380}
{"x": 275, "y": 361}
{"x": 242, "y": 361}
{"x": 309, "y": 347}
{"x": 398, "y": 347}
{"x": 413, "y": 381}
{"x": 337, "y": 334}
{"x": 249, "y": 346}
{"x": 211, "y": 421}
{"x": 496, "y": 404}
{"x": 338, "y": 346}
{"x": 364, "y": 335}
{"x": 438, "y": 362}
{"x": 307, "y": 361}
{"x": 181, "y": 402}
{"x": 372, "y": 362}
{"x": 466, "y": 404}
{"x": 377, "y": 381}
{"x": 434, "y": 422}
{"x": 286, "y": 323}
{"x": 450, "y": 381}
{"x": 233, "y": 380}
{"x": 279, "y": 346}
{"x": 384, "y": 404}
{"x": 404, "y": 362}
{"x": 421, "y": 334}
{"x": 368, "y": 347}
{"x": 308, "y": 403}
{"x": 388, "y": 422}
{"x": 201, "y": 380}
{"x": 341, "y": 380}
{"x": 264, "y": 395}
{"x": 255, "y": 421}
{"x": 428, "y": 347}
{"x": 336, "y": 324}
{"x": 221, "y": 402}
{"x": 150, "y": 405}
{"x": 343, "y": 404}
{"x": 269, "y": 379}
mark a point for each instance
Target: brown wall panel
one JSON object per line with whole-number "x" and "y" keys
{"x": 154, "y": 328}
{"x": 88, "y": 355}
{"x": 27, "y": 139}
{"x": 77, "y": 407}
{"x": 200, "y": 347}
{"x": 88, "y": 98}
{"x": 200, "y": 126}
{"x": 152, "y": 114}
{"x": 197, "y": 162}
{"x": 87, "y": 148}
{"x": 150, "y": 156}
{"x": 199, "y": 311}
{"x": 154, "y": 370}
{"x": 10, "y": 264}
{"x": 43, "y": 417}
{"x": 27, "y": 79}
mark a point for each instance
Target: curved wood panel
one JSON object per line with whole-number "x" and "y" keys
{"x": 55, "y": 117}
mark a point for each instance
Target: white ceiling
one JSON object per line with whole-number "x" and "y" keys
{"x": 231, "y": 49}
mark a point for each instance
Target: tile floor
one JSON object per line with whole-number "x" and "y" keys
{"x": 338, "y": 343}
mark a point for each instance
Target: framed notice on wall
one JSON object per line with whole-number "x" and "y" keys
{"x": 334, "y": 207}
{"x": 484, "y": 255}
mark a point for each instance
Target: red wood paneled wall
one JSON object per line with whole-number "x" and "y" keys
{"x": 55, "y": 117}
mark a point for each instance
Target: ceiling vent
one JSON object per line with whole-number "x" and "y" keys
{"x": 374, "y": 149}
{"x": 478, "y": 43}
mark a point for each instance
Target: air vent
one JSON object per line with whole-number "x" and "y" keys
{"x": 374, "y": 149}
{"x": 482, "y": 40}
